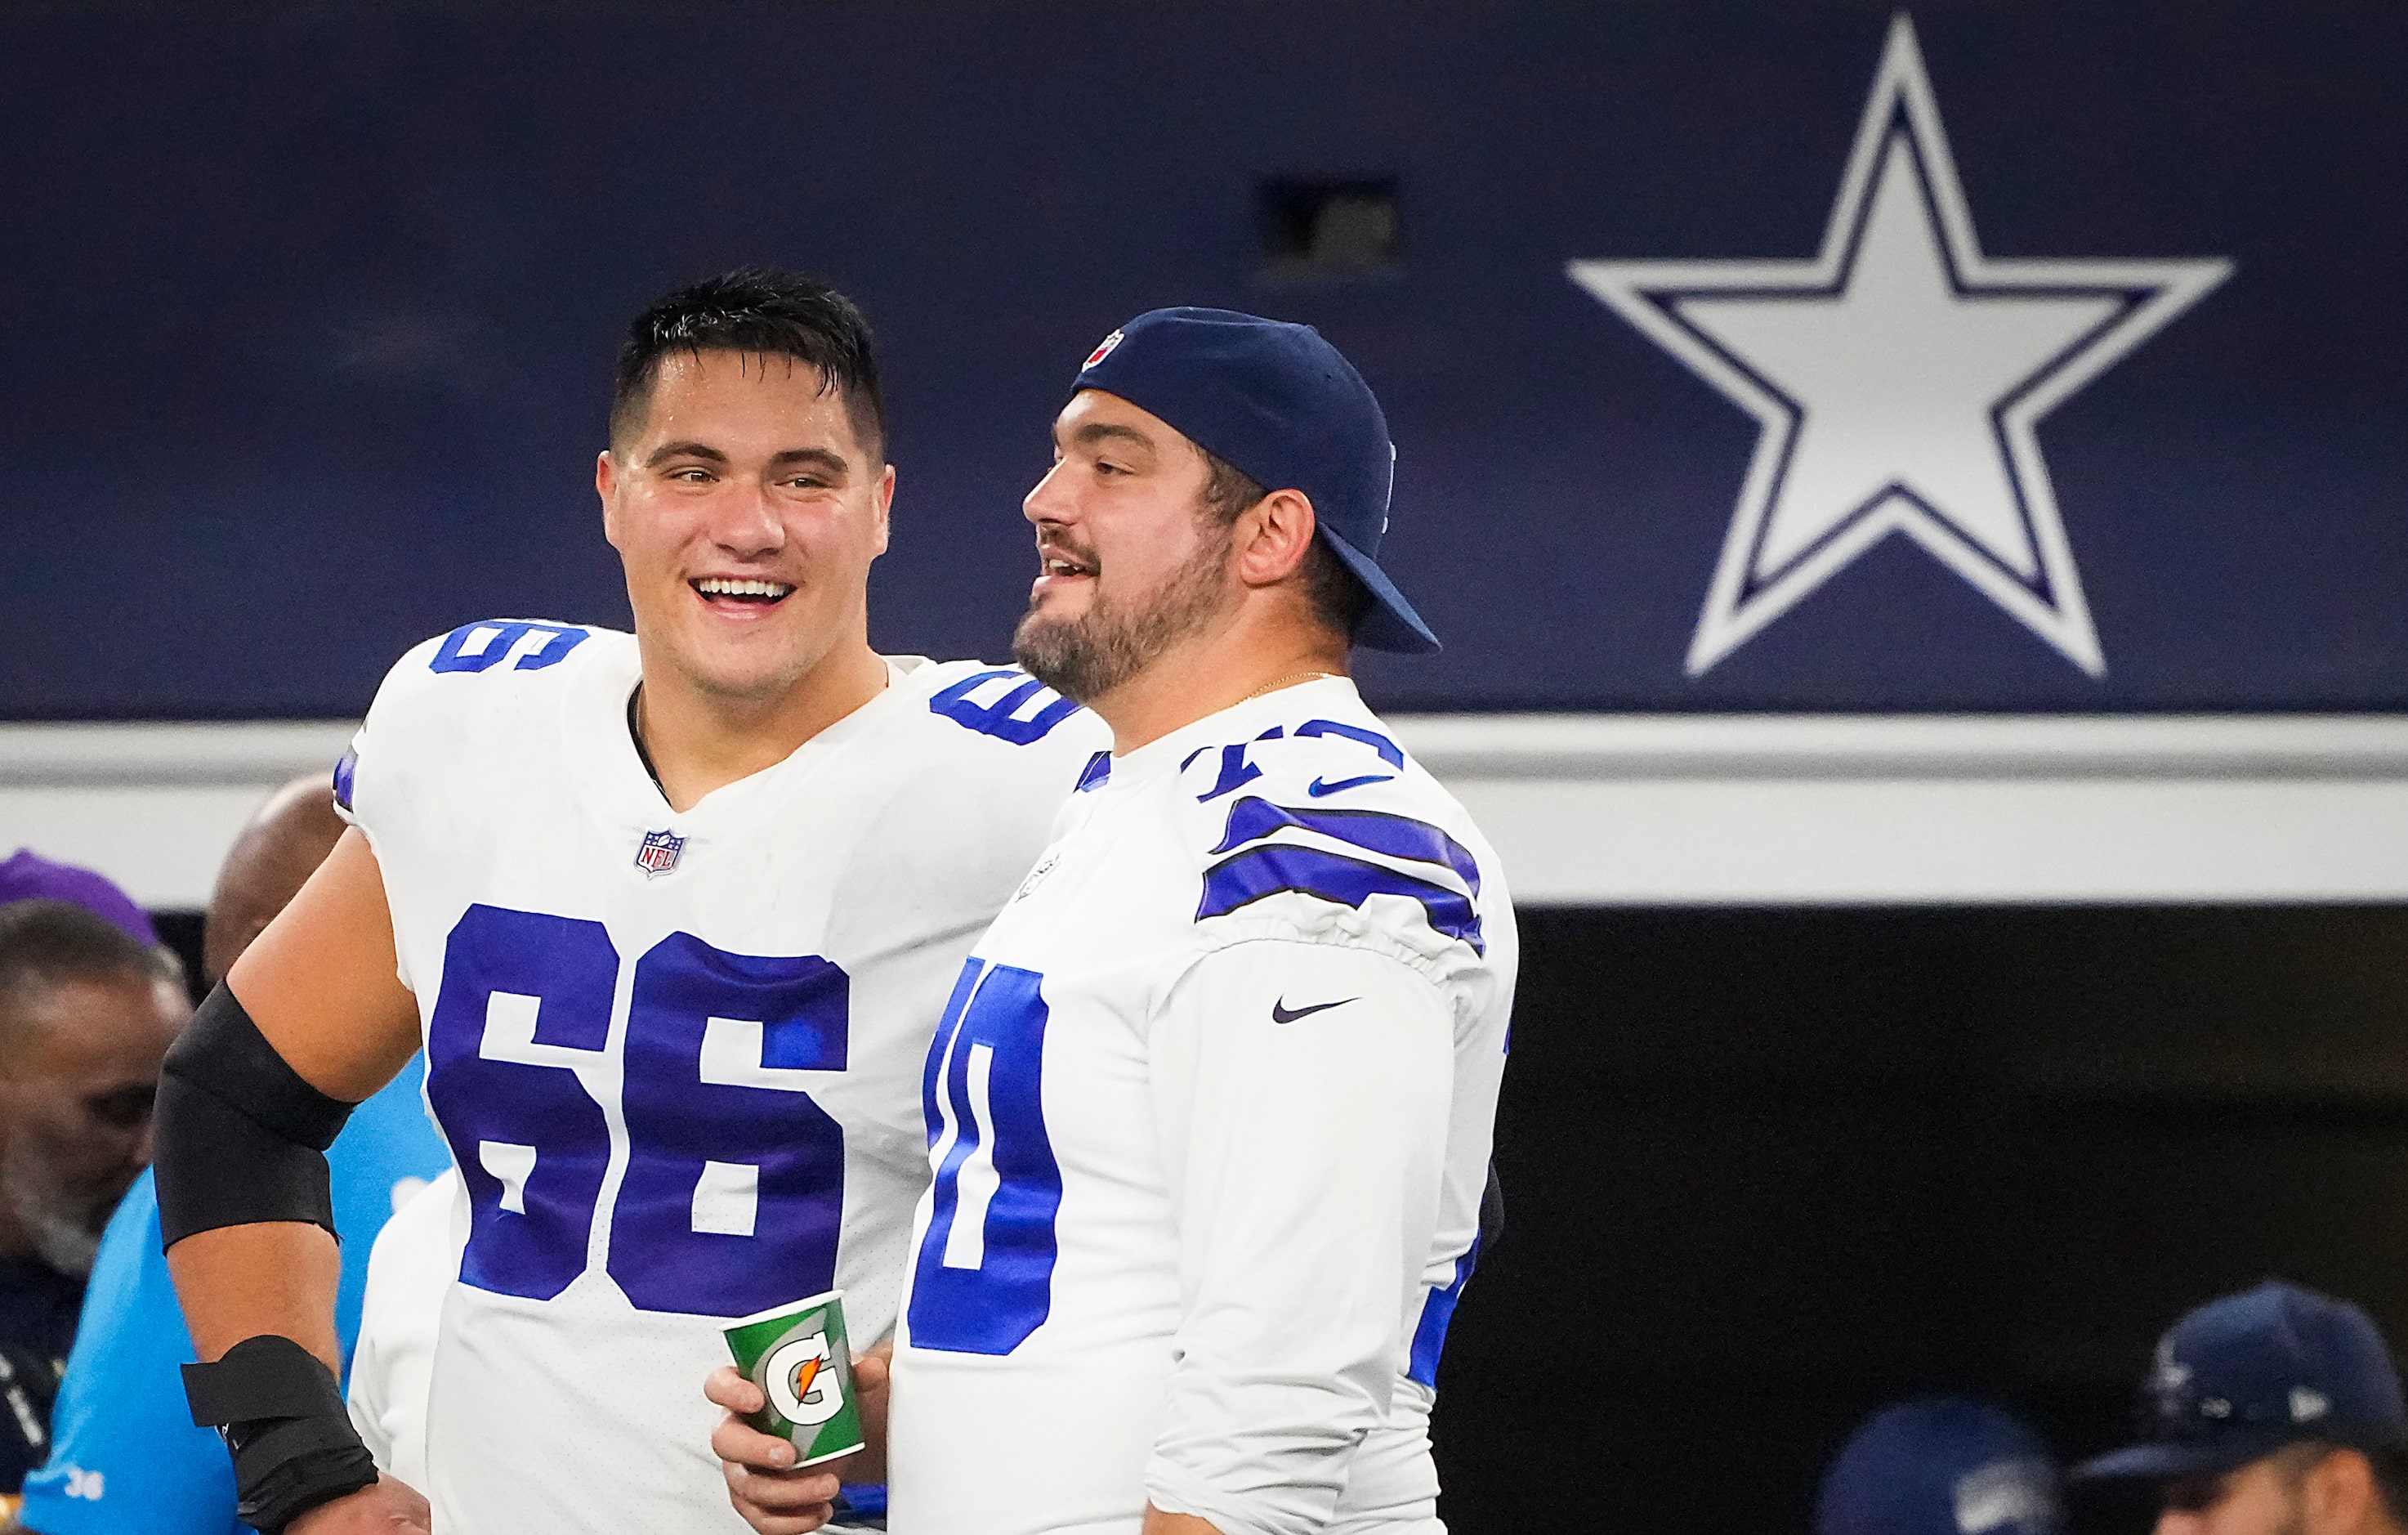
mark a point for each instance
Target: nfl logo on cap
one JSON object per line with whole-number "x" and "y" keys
{"x": 1103, "y": 350}
{"x": 659, "y": 853}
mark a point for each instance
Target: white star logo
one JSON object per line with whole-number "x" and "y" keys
{"x": 1898, "y": 378}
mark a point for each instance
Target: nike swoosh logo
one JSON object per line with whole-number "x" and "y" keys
{"x": 1279, "y": 1014}
{"x": 1317, "y": 788}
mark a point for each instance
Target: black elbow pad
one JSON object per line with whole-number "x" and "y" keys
{"x": 240, "y": 1138}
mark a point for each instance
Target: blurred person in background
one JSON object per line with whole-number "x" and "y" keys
{"x": 87, "y": 1007}
{"x": 2274, "y": 1412}
{"x": 28, "y": 876}
{"x": 1940, "y": 1465}
{"x": 126, "y": 1455}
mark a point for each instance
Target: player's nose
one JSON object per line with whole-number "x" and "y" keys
{"x": 744, "y": 520}
{"x": 1045, "y": 501}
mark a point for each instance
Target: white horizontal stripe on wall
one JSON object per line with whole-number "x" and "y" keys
{"x": 154, "y": 807}
{"x": 1587, "y": 810}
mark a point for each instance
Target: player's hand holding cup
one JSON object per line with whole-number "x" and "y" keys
{"x": 799, "y": 1407}
{"x": 388, "y": 1507}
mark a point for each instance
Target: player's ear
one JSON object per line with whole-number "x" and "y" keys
{"x": 605, "y": 485}
{"x": 884, "y": 503}
{"x": 2336, "y": 1493}
{"x": 1272, "y": 537}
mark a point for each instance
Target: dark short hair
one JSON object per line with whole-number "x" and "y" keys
{"x": 1338, "y": 595}
{"x": 756, "y": 309}
{"x": 46, "y": 943}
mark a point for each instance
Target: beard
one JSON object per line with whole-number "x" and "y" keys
{"x": 1084, "y": 659}
{"x": 62, "y": 1224}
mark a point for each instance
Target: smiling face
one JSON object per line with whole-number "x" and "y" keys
{"x": 1131, "y": 560}
{"x": 747, "y": 510}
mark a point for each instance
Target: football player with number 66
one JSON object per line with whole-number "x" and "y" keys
{"x": 674, "y": 914}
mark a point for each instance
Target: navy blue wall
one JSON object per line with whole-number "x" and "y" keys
{"x": 307, "y": 318}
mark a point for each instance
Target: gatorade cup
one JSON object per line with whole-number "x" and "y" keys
{"x": 798, "y": 1354}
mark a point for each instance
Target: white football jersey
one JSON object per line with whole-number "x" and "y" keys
{"x": 677, "y": 1055}
{"x": 1210, "y": 1115}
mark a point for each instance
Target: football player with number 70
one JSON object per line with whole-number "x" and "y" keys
{"x": 674, "y": 914}
{"x": 1209, "y": 1110}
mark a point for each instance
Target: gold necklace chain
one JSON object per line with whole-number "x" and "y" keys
{"x": 1291, "y": 679}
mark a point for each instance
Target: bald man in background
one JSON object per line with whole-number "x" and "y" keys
{"x": 126, "y": 1455}
{"x": 272, "y": 857}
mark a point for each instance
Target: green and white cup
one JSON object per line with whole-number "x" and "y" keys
{"x": 798, "y": 1357}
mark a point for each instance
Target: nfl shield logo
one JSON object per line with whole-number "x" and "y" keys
{"x": 1101, "y": 352}
{"x": 659, "y": 853}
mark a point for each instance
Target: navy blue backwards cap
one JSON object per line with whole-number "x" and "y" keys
{"x": 2240, "y": 1377}
{"x": 1940, "y": 1465}
{"x": 1280, "y": 403}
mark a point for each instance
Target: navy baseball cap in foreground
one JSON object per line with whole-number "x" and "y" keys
{"x": 1281, "y": 404}
{"x": 1940, "y": 1465}
{"x": 2242, "y": 1377}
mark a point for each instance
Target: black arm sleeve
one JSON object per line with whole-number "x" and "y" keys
{"x": 240, "y": 1138}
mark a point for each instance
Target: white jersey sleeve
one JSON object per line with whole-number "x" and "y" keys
{"x": 403, "y": 770}
{"x": 1302, "y": 1094}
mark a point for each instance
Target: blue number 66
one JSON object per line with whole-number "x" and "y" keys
{"x": 733, "y": 1197}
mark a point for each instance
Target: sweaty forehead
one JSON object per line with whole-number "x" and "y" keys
{"x": 685, "y": 380}
{"x": 750, "y": 395}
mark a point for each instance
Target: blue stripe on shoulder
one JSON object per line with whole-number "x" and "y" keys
{"x": 1277, "y": 868}
{"x": 1390, "y": 752}
{"x": 478, "y": 647}
{"x": 998, "y": 715}
{"x": 1378, "y": 831}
